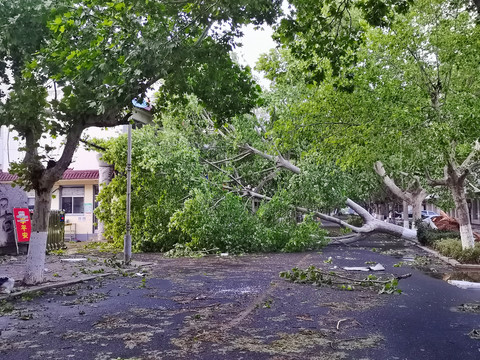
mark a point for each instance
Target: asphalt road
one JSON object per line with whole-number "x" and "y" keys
{"x": 239, "y": 308}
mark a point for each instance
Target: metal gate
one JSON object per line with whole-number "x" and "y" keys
{"x": 56, "y": 230}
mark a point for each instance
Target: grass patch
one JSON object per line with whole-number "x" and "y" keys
{"x": 103, "y": 247}
{"x": 453, "y": 248}
{"x": 58, "y": 252}
{"x": 6, "y": 307}
{"x": 29, "y": 296}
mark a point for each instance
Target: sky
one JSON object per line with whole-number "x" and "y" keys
{"x": 255, "y": 43}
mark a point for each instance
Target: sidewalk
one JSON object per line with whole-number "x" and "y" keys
{"x": 68, "y": 268}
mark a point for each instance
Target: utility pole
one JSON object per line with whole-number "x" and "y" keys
{"x": 127, "y": 242}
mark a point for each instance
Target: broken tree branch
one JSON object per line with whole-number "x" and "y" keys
{"x": 234, "y": 158}
{"x": 370, "y": 226}
{"x": 280, "y": 161}
{"x": 223, "y": 171}
{"x": 265, "y": 180}
{"x": 339, "y": 322}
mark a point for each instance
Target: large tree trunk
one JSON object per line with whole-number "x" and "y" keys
{"x": 417, "y": 204}
{"x": 463, "y": 217}
{"x": 413, "y": 197}
{"x": 42, "y": 180}
{"x": 456, "y": 184}
{"x": 417, "y": 208}
{"x": 38, "y": 241}
{"x": 373, "y": 226}
{"x": 454, "y": 179}
{"x": 406, "y": 223}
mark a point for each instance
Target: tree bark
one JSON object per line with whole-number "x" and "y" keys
{"x": 414, "y": 197}
{"x": 463, "y": 216}
{"x": 417, "y": 203}
{"x": 38, "y": 241}
{"x": 454, "y": 179}
{"x": 456, "y": 183}
{"x": 43, "y": 180}
{"x": 406, "y": 223}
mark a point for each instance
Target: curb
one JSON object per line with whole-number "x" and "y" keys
{"x": 456, "y": 264}
{"x": 52, "y": 286}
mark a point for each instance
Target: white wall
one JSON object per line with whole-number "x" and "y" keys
{"x": 82, "y": 159}
{"x": 8, "y": 148}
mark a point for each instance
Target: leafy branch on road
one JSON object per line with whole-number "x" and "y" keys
{"x": 319, "y": 277}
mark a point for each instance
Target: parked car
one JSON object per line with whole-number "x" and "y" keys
{"x": 347, "y": 211}
{"x": 426, "y": 214}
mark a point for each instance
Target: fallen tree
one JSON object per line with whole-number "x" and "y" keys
{"x": 370, "y": 225}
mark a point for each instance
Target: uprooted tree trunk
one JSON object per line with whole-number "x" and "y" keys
{"x": 414, "y": 197}
{"x": 370, "y": 226}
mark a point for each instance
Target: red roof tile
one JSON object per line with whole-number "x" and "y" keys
{"x": 7, "y": 177}
{"x": 67, "y": 175}
{"x": 80, "y": 174}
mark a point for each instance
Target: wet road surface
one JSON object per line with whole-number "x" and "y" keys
{"x": 239, "y": 308}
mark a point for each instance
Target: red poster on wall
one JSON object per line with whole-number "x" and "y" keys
{"x": 23, "y": 225}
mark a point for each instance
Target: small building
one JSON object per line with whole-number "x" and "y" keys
{"x": 76, "y": 194}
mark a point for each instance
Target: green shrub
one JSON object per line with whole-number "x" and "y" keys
{"x": 306, "y": 236}
{"x": 221, "y": 221}
{"x": 224, "y": 223}
{"x": 453, "y": 248}
{"x": 427, "y": 236}
{"x": 355, "y": 220}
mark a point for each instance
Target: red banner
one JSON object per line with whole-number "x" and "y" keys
{"x": 23, "y": 225}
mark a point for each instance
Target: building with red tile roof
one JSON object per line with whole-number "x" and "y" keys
{"x": 75, "y": 194}
{"x": 69, "y": 174}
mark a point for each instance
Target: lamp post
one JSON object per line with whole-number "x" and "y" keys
{"x": 127, "y": 241}
{"x": 142, "y": 114}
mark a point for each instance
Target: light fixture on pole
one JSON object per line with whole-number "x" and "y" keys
{"x": 141, "y": 113}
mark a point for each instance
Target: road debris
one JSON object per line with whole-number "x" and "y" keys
{"x": 464, "y": 284}
{"x": 376, "y": 267}
{"x": 6, "y": 284}
{"x": 74, "y": 260}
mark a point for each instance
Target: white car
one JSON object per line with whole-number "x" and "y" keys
{"x": 426, "y": 214}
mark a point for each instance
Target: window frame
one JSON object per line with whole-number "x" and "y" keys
{"x": 72, "y": 197}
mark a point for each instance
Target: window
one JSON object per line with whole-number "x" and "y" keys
{"x": 73, "y": 199}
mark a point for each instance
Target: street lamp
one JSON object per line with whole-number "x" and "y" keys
{"x": 127, "y": 241}
{"x": 141, "y": 113}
